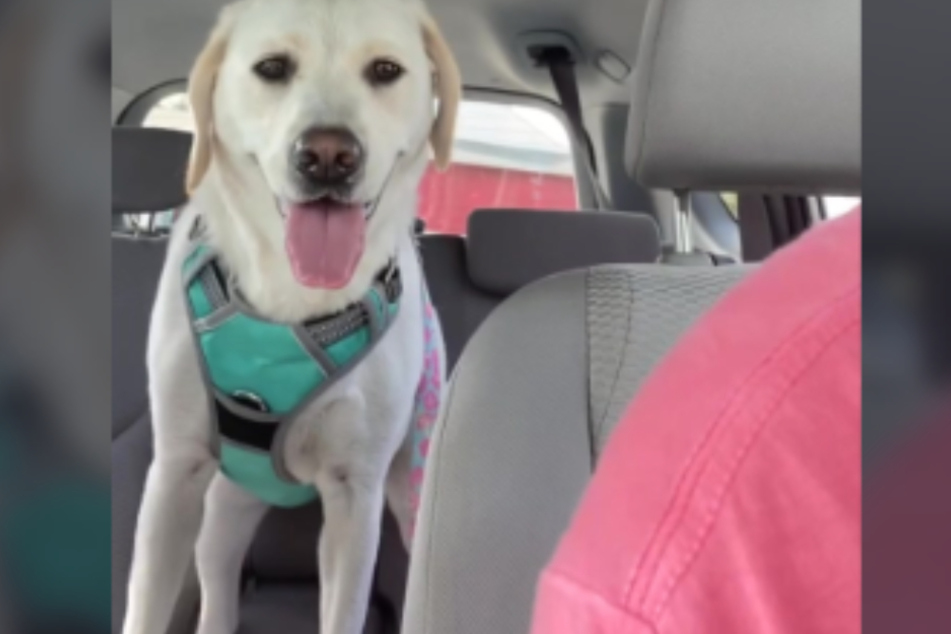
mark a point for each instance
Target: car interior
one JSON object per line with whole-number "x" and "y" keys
{"x": 619, "y": 166}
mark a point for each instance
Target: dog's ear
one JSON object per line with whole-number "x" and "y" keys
{"x": 448, "y": 86}
{"x": 201, "y": 91}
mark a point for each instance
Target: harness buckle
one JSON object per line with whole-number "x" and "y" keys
{"x": 251, "y": 401}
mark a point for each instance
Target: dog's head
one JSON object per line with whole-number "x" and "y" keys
{"x": 328, "y": 100}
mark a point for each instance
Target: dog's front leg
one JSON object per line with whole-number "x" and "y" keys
{"x": 351, "y": 487}
{"x": 167, "y": 529}
{"x": 400, "y": 491}
{"x": 348, "y": 549}
{"x": 232, "y": 516}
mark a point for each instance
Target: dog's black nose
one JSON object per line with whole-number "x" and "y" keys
{"x": 327, "y": 157}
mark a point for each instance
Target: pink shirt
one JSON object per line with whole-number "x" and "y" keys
{"x": 728, "y": 499}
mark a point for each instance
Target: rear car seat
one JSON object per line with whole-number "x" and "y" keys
{"x": 148, "y": 170}
{"x": 506, "y": 249}
{"x": 541, "y": 385}
{"x": 148, "y": 175}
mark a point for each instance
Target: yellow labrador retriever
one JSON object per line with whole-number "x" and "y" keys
{"x": 314, "y": 121}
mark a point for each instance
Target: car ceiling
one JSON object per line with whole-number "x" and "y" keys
{"x": 155, "y": 41}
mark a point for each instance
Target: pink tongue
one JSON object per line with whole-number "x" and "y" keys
{"x": 324, "y": 242}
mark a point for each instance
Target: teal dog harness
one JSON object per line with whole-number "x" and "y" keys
{"x": 262, "y": 373}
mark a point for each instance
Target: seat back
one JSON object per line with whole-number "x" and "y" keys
{"x": 461, "y": 305}
{"x": 145, "y": 164}
{"x": 148, "y": 177}
{"x": 534, "y": 397}
{"x": 507, "y": 249}
{"x": 136, "y": 267}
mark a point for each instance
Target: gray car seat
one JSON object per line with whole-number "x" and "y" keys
{"x": 506, "y": 250}
{"x": 729, "y": 96}
{"x": 142, "y": 162}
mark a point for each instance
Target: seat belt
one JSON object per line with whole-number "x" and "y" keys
{"x": 562, "y": 68}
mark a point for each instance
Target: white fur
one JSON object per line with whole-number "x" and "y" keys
{"x": 353, "y": 442}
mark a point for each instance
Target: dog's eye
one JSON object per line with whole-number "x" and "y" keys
{"x": 383, "y": 71}
{"x": 274, "y": 69}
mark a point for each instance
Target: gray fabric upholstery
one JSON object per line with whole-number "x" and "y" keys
{"x": 148, "y": 169}
{"x": 285, "y": 548}
{"x": 290, "y": 610}
{"x": 504, "y": 472}
{"x": 284, "y": 552}
{"x": 635, "y": 315}
{"x": 748, "y": 94}
{"x": 461, "y": 305}
{"x": 508, "y": 249}
{"x": 131, "y": 455}
{"x": 695, "y": 258}
{"x": 137, "y": 263}
{"x": 536, "y": 393}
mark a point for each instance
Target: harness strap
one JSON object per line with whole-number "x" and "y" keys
{"x": 262, "y": 373}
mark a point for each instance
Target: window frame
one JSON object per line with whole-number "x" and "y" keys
{"x": 137, "y": 110}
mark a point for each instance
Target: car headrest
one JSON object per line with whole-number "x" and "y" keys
{"x": 760, "y": 95}
{"x": 148, "y": 169}
{"x": 508, "y": 249}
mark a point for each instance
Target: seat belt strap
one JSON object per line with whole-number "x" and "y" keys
{"x": 562, "y": 69}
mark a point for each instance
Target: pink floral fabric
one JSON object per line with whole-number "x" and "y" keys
{"x": 427, "y": 402}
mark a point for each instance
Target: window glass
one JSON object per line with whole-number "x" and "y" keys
{"x": 840, "y": 205}
{"x": 835, "y": 206}
{"x": 504, "y": 155}
{"x": 171, "y": 112}
{"x": 731, "y": 200}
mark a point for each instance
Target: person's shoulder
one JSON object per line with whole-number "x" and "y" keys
{"x": 725, "y": 398}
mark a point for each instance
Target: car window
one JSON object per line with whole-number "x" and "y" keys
{"x": 172, "y": 112}
{"x": 504, "y": 155}
{"x": 836, "y": 206}
{"x": 731, "y": 200}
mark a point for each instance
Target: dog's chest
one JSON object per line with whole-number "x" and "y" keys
{"x": 262, "y": 375}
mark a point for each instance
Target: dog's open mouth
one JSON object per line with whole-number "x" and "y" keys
{"x": 324, "y": 239}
